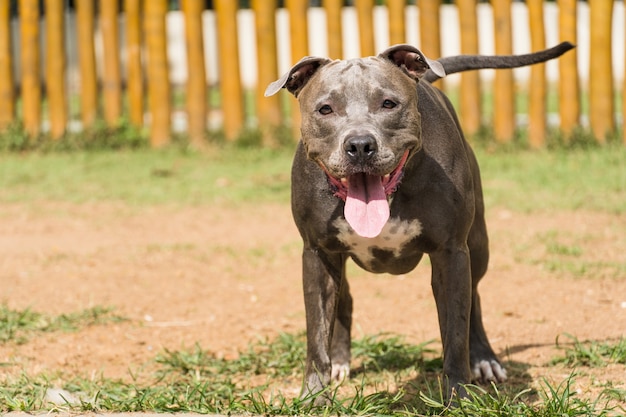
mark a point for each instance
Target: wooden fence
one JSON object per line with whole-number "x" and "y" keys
{"x": 107, "y": 97}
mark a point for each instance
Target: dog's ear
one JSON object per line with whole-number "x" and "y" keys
{"x": 297, "y": 76}
{"x": 413, "y": 61}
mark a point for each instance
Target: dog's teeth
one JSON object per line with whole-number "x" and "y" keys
{"x": 344, "y": 181}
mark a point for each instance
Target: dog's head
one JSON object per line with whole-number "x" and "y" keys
{"x": 360, "y": 123}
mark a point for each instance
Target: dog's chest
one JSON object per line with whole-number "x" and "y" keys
{"x": 385, "y": 248}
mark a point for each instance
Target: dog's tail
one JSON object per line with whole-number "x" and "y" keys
{"x": 474, "y": 62}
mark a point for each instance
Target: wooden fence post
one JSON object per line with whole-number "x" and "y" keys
{"x": 503, "y": 96}
{"x": 333, "y": 26}
{"x": 569, "y": 85}
{"x": 87, "y": 57}
{"x": 111, "y": 77}
{"x": 55, "y": 67}
{"x": 470, "y": 82}
{"x": 601, "y": 108}
{"x": 430, "y": 30}
{"x": 364, "y": 9}
{"x": 267, "y": 108}
{"x": 230, "y": 80}
{"x": 298, "y": 32}
{"x": 624, "y": 97}
{"x": 397, "y": 29}
{"x": 31, "y": 78}
{"x": 134, "y": 72}
{"x": 298, "y": 28}
{"x": 430, "y": 38}
{"x": 537, "y": 87}
{"x": 196, "y": 71}
{"x": 7, "y": 94}
{"x": 158, "y": 74}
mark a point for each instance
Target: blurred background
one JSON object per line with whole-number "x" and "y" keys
{"x": 199, "y": 68}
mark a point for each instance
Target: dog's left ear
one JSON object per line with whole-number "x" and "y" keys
{"x": 413, "y": 61}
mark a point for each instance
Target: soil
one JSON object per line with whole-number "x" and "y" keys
{"x": 223, "y": 276}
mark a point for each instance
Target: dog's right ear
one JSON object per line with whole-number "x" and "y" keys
{"x": 411, "y": 60}
{"x": 297, "y": 76}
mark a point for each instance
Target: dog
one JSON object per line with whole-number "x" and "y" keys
{"x": 382, "y": 175}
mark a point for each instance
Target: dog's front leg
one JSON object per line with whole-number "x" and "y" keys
{"x": 340, "y": 347}
{"x": 451, "y": 283}
{"x": 322, "y": 278}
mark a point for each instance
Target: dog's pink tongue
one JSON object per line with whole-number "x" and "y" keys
{"x": 366, "y": 209}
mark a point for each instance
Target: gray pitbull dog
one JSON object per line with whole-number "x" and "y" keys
{"x": 382, "y": 175}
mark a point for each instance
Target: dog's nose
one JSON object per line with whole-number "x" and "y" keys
{"x": 360, "y": 149}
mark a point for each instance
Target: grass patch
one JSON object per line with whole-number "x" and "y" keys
{"x": 559, "y": 179}
{"x": 591, "y": 178}
{"x": 265, "y": 379}
{"x": 280, "y": 358}
{"x": 588, "y": 269}
{"x": 19, "y": 326}
{"x": 147, "y": 177}
{"x": 391, "y": 353}
{"x": 565, "y": 253}
{"x": 591, "y": 353}
{"x": 560, "y": 400}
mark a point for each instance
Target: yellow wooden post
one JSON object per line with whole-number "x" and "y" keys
{"x": 111, "y": 77}
{"x": 537, "y": 87}
{"x": 396, "y": 21}
{"x": 87, "y": 61}
{"x": 7, "y": 95}
{"x": 298, "y": 28}
{"x": 267, "y": 108}
{"x": 470, "y": 104}
{"x": 503, "y": 96}
{"x": 569, "y": 85}
{"x": 196, "y": 72}
{"x": 230, "y": 80}
{"x": 333, "y": 26}
{"x": 31, "y": 78}
{"x": 364, "y": 9}
{"x": 430, "y": 30}
{"x": 134, "y": 72}
{"x": 55, "y": 68}
{"x": 601, "y": 107}
{"x": 430, "y": 39}
{"x": 158, "y": 74}
{"x": 298, "y": 33}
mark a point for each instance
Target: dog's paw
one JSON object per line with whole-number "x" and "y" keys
{"x": 339, "y": 372}
{"x": 488, "y": 371}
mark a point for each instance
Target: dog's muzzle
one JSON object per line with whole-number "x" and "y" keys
{"x": 365, "y": 195}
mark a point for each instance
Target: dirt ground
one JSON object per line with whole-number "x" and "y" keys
{"x": 224, "y": 276}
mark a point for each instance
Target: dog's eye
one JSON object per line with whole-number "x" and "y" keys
{"x": 388, "y": 104}
{"x": 325, "y": 109}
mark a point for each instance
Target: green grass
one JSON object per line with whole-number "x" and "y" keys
{"x": 19, "y": 326}
{"x": 146, "y": 177}
{"x": 560, "y": 179}
{"x": 391, "y": 377}
{"x": 589, "y": 179}
{"x": 567, "y": 254}
{"x": 591, "y": 353}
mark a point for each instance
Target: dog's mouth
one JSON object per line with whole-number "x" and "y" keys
{"x": 367, "y": 208}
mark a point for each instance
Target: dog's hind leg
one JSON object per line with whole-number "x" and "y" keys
{"x": 483, "y": 361}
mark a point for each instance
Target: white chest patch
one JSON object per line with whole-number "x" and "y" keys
{"x": 396, "y": 234}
